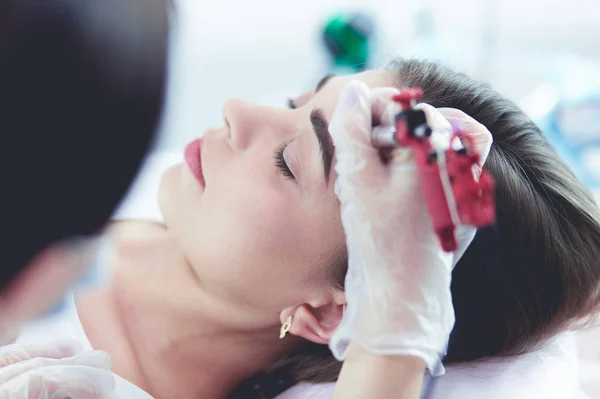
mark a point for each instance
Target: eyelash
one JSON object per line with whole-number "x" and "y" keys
{"x": 290, "y": 104}
{"x": 281, "y": 164}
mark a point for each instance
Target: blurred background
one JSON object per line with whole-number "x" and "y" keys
{"x": 544, "y": 55}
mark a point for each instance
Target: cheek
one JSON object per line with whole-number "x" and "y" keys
{"x": 252, "y": 249}
{"x": 177, "y": 195}
{"x": 249, "y": 230}
{"x": 244, "y": 223}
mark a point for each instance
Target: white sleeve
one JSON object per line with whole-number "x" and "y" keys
{"x": 141, "y": 202}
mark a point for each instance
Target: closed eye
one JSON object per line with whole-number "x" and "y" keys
{"x": 282, "y": 164}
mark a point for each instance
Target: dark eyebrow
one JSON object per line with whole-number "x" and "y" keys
{"x": 322, "y": 82}
{"x": 321, "y": 129}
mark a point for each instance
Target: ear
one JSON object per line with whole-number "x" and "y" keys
{"x": 316, "y": 322}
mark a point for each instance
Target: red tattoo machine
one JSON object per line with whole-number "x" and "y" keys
{"x": 454, "y": 196}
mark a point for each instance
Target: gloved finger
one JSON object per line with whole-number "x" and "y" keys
{"x": 383, "y": 108}
{"x": 481, "y": 136}
{"x": 350, "y": 129}
{"x": 60, "y": 382}
{"x": 95, "y": 359}
{"x": 384, "y": 111}
{"x": 441, "y": 128}
{"x": 464, "y": 237}
{"x": 482, "y": 140}
{"x": 15, "y": 353}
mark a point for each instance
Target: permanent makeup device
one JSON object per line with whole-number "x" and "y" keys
{"x": 453, "y": 193}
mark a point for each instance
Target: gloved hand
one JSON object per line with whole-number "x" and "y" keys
{"x": 54, "y": 372}
{"x": 398, "y": 280}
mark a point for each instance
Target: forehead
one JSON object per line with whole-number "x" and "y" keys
{"x": 327, "y": 96}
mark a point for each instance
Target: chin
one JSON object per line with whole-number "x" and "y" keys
{"x": 169, "y": 190}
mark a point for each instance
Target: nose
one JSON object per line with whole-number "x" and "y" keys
{"x": 250, "y": 122}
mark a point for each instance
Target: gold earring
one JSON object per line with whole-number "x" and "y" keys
{"x": 285, "y": 327}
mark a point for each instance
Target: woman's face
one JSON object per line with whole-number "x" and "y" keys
{"x": 264, "y": 228}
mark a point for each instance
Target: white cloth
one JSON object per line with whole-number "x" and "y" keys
{"x": 588, "y": 345}
{"x": 550, "y": 372}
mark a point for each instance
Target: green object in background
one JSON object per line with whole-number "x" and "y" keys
{"x": 347, "y": 37}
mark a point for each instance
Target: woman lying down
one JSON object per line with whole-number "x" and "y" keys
{"x": 237, "y": 287}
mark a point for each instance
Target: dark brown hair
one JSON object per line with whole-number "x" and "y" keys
{"x": 532, "y": 275}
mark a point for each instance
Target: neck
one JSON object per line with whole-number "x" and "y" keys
{"x": 172, "y": 346}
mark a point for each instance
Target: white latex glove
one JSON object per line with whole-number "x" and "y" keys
{"x": 54, "y": 372}
{"x": 398, "y": 280}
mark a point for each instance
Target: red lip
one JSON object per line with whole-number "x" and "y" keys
{"x": 192, "y": 155}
